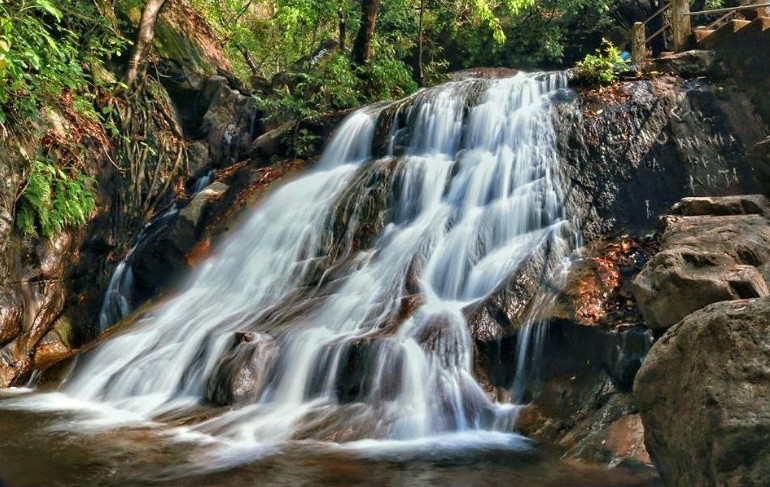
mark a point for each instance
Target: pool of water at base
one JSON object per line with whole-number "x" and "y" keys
{"x": 38, "y": 450}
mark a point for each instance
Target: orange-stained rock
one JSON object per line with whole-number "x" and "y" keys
{"x": 625, "y": 439}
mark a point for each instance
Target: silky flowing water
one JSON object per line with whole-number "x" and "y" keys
{"x": 352, "y": 284}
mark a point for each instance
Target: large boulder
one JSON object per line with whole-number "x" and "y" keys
{"x": 704, "y": 396}
{"x": 230, "y": 124}
{"x": 717, "y": 252}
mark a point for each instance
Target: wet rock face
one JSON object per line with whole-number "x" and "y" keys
{"x": 709, "y": 424}
{"x": 570, "y": 351}
{"x": 242, "y": 373}
{"x": 579, "y": 392}
{"x": 31, "y": 299}
{"x": 635, "y": 149}
{"x": 716, "y": 251}
{"x": 501, "y": 313}
{"x": 162, "y": 258}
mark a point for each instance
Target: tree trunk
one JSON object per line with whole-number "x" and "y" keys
{"x": 247, "y": 57}
{"x": 343, "y": 29}
{"x": 362, "y": 47}
{"x": 420, "y": 73}
{"x": 138, "y": 60}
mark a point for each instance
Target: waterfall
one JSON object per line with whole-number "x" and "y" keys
{"x": 343, "y": 296}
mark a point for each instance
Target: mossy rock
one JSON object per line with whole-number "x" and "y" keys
{"x": 184, "y": 42}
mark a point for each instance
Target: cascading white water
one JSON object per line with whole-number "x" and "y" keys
{"x": 372, "y": 343}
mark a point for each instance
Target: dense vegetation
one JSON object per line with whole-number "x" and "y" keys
{"x": 73, "y": 73}
{"x": 47, "y": 63}
{"x": 415, "y": 43}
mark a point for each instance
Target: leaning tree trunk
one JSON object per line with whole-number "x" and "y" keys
{"x": 362, "y": 47}
{"x": 420, "y": 37}
{"x": 343, "y": 29}
{"x": 144, "y": 38}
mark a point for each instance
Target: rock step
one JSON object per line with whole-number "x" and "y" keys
{"x": 755, "y": 28}
{"x": 712, "y": 249}
{"x": 723, "y": 33}
{"x": 752, "y": 204}
{"x": 701, "y": 33}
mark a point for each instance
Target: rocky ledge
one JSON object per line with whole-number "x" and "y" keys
{"x": 704, "y": 389}
{"x": 713, "y": 249}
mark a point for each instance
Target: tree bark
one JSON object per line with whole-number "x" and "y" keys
{"x": 362, "y": 47}
{"x": 420, "y": 73}
{"x": 138, "y": 61}
{"x": 343, "y": 29}
{"x": 247, "y": 57}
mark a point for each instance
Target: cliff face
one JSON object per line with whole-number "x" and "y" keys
{"x": 635, "y": 149}
{"x": 51, "y": 290}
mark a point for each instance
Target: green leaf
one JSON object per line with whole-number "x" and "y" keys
{"x": 48, "y": 7}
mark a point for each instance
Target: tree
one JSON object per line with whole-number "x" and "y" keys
{"x": 144, "y": 39}
{"x": 420, "y": 39}
{"x": 362, "y": 47}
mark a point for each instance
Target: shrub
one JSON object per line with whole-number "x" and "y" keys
{"x": 42, "y": 53}
{"x": 48, "y": 53}
{"x": 602, "y": 67}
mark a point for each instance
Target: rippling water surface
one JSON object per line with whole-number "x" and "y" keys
{"x": 36, "y": 450}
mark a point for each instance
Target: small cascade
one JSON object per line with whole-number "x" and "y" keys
{"x": 118, "y": 302}
{"x": 338, "y": 311}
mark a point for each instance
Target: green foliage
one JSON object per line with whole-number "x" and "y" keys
{"x": 336, "y": 84}
{"x": 48, "y": 52}
{"x": 602, "y": 67}
{"x": 53, "y": 199}
{"x": 45, "y": 48}
{"x": 483, "y": 11}
{"x": 536, "y": 34}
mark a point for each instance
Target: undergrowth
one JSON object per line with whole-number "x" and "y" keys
{"x": 53, "y": 199}
{"x": 48, "y": 54}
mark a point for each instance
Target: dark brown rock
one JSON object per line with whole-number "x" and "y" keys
{"x": 242, "y": 373}
{"x": 705, "y": 259}
{"x": 760, "y": 160}
{"x": 704, "y": 396}
{"x": 161, "y": 259}
{"x": 688, "y": 64}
